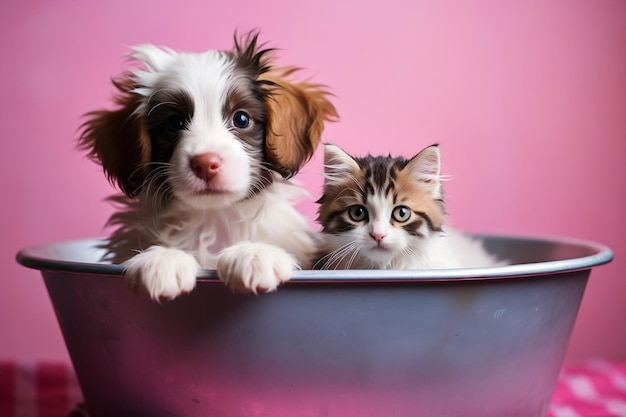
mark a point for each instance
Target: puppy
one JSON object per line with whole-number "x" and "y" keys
{"x": 202, "y": 145}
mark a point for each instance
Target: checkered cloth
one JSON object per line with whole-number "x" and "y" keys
{"x": 593, "y": 389}
{"x": 38, "y": 389}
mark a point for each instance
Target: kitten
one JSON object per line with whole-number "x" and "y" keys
{"x": 382, "y": 212}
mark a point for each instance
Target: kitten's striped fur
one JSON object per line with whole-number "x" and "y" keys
{"x": 384, "y": 212}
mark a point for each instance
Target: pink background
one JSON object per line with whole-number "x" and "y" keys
{"x": 526, "y": 98}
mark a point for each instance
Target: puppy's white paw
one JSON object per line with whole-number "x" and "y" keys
{"x": 162, "y": 273}
{"x": 255, "y": 267}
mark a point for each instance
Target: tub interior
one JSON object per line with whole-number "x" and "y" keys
{"x": 523, "y": 255}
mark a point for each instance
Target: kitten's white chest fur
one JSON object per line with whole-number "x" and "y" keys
{"x": 447, "y": 250}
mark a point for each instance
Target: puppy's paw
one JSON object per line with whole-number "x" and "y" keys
{"x": 255, "y": 267}
{"x": 162, "y": 273}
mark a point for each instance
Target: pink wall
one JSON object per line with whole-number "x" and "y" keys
{"x": 526, "y": 98}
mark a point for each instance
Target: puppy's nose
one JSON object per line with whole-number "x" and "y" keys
{"x": 206, "y": 165}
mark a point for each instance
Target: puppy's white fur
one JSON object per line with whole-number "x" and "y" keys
{"x": 203, "y": 146}
{"x": 254, "y": 244}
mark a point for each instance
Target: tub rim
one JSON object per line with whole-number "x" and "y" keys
{"x": 39, "y": 257}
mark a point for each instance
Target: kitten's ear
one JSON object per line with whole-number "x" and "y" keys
{"x": 338, "y": 164}
{"x": 426, "y": 169}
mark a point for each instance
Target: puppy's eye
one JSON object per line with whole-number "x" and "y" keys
{"x": 401, "y": 214}
{"x": 357, "y": 213}
{"x": 176, "y": 123}
{"x": 241, "y": 119}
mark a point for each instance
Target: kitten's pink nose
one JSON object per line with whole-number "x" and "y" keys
{"x": 206, "y": 165}
{"x": 378, "y": 237}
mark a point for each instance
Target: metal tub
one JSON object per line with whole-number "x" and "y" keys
{"x": 481, "y": 342}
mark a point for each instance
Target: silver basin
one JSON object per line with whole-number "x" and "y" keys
{"x": 481, "y": 342}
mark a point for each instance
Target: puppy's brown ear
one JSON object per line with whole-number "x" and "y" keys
{"x": 118, "y": 140}
{"x": 297, "y": 112}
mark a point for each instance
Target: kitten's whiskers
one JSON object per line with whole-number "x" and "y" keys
{"x": 336, "y": 257}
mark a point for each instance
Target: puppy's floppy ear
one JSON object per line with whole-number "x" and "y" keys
{"x": 118, "y": 140}
{"x": 297, "y": 112}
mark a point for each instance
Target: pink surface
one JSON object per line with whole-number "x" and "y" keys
{"x": 527, "y": 99}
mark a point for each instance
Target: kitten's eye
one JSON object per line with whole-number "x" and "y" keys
{"x": 176, "y": 123}
{"x": 357, "y": 213}
{"x": 241, "y": 119}
{"x": 401, "y": 214}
